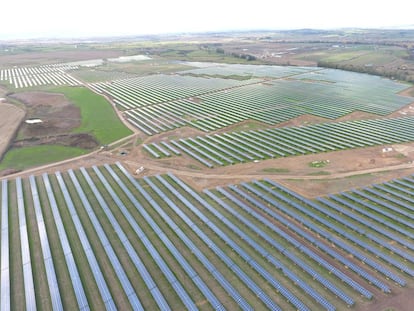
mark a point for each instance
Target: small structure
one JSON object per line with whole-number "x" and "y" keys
{"x": 387, "y": 149}
{"x": 139, "y": 170}
{"x": 33, "y": 121}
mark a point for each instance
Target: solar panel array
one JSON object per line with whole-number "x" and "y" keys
{"x": 246, "y": 146}
{"x": 269, "y": 94}
{"x": 25, "y": 250}
{"x": 55, "y": 74}
{"x": 4, "y": 249}
{"x": 155, "y": 242}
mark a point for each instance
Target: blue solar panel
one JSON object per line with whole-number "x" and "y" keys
{"x": 171, "y": 148}
{"x": 198, "y": 150}
{"x": 398, "y": 193}
{"x": 375, "y": 227}
{"x": 170, "y": 246}
{"x": 70, "y": 261}
{"x": 163, "y": 151}
{"x": 266, "y": 275}
{"x": 113, "y": 258}
{"x": 405, "y": 205}
{"x": 277, "y": 264}
{"x": 384, "y": 212}
{"x": 151, "y": 151}
{"x": 322, "y": 246}
{"x": 129, "y": 248}
{"x": 331, "y": 238}
{"x": 165, "y": 269}
{"x": 226, "y": 143}
{"x": 367, "y": 213}
{"x": 44, "y": 243}
{"x": 220, "y": 154}
{"x": 227, "y": 260}
{"x": 4, "y": 250}
{"x": 195, "y": 156}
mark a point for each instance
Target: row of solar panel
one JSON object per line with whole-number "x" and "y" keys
{"x": 349, "y": 249}
{"x": 4, "y": 250}
{"x": 235, "y": 147}
{"x": 288, "y": 295}
{"x": 348, "y": 236}
{"x": 257, "y": 290}
{"x": 310, "y": 238}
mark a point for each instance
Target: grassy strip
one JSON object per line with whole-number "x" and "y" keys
{"x": 67, "y": 293}
{"x": 17, "y": 294}
{"x": 93, "y": 296}
{"x": 98, "y": 117}
{"x": 43, "y": 301}
{"x": 105, "y": 264}
{"x": 22, "y": 158}
{"x": 123, "y": 256}
{"x": 230, "y": 275}
{"x": 155, "y": 271}
{"x": 175, "y": 266}
{"x": 277, "y": 274}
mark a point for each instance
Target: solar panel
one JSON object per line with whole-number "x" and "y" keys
{"x": 149, "y": 282}
{"x": 4, "y": 250}
{"x": 70, "y": 261}
{"x": 228, "y": 261}
{"x": 125, "y": 283}
{"x": 44, "y": 243}
{"x": 170, "y": 246}
{"x": 173, "y": 281}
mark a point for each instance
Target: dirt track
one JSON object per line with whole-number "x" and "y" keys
{"x": 11, "y": 117}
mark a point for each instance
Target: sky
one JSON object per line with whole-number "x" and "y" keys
{"x": 83, "y": 18}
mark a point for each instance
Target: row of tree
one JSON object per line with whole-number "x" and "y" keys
{"x": 245, "y": 56}
{"x": 402, "y": 74}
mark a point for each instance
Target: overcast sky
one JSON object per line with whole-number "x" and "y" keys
{"x": 67, "y": 18}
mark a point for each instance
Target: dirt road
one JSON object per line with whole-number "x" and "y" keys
{"x": 11, "y": 117}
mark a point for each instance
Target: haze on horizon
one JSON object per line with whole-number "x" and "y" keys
{"x": 80, "y": 18}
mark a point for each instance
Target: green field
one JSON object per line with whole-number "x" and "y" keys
{"x": 22, "y": 158}
{"x": 98, "y": 117}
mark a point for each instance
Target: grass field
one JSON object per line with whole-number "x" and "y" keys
{"x": 22, "y": 158}
{"x": 98, "y": 117}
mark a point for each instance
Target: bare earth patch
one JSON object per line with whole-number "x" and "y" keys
{"x": 11, "y": 117}
{"x": 59, "y": 117}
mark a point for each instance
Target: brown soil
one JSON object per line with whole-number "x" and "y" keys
{"x": 11, "y": 117}
{"x": 57, "y": 113}
{"x": 59, "y": 117}
{"x": 345, "y": 170}
{"x": 401, "y": 299}
{"x": 407, "y": 92}
{"x": 81, "y": 140}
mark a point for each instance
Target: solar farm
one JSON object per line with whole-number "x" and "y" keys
{"x": 101, "y": 239}
{"x": 159, "y": 103}
{"x": 24, "y": 77}
{"x": 110, "y": 236}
